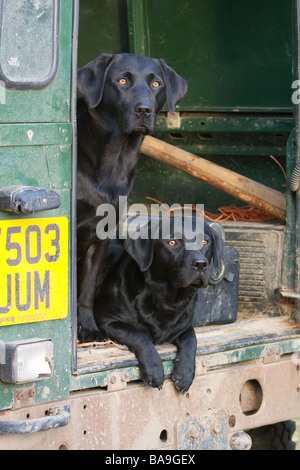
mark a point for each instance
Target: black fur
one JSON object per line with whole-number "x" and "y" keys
{"x": 113, "y": 118}
{"x": 148, "y": 297}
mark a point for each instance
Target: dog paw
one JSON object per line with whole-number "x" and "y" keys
{"x": 153, "y": 374}
{"x": 183, "y": 377}
{"x": 86, "y": 335}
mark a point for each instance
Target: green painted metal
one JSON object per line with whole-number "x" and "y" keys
{"x": 48, "y": 166}
{"x": 237, "y": 59}
{"x": 139, "y": 29}
{"x": 289, "y": 246}
{"x": 36, "y": 150}
{"x": 236, "y": 55}
{"x": 210, "y": 360}
{"x": 59, "y": 331}
{"x": 35, "y": 134}
{"x": 228, "y": 123}
{"x": 102, "y": 28}
{"x": 100, "y": 379}
{"x": 55, "y": 98}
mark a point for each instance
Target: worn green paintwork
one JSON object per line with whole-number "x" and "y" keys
{"x": 35, "y": 134}
{"x": 212, "y": 360}
{"x": 36, "y": 150}
{"x": 55, "y": 98}
{"x": 47, "y": 166}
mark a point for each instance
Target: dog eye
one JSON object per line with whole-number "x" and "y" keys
{"x": 122, "y": 81}
{"x": 155, "y": 84}
{"x": 171, "y": 242}
{"x": 205, "y": 242}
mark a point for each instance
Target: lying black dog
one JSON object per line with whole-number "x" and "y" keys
{"x": 148, "y": 297}
{"x": 121, "y": 95}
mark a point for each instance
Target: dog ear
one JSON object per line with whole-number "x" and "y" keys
{"x": 141, "y": 250}
{"x": 218, "y": 249}
{"x": 176, "y": 86}
{"x": 91, "y": 79}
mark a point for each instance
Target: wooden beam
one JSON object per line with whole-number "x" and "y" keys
{"x": 249, "y": 191}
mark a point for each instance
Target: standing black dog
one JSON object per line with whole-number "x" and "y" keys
{"x": 121, "y": 95}
{"x": 148, "y": 297}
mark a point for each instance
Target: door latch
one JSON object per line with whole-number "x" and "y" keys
{"x": 27, "y": 199}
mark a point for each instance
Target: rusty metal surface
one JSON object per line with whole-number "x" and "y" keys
{"x": 137, "y": 417}
{"x": 210, "y": 339}
{"x": 206, "y": 431}
{"x": 251, "y": 396}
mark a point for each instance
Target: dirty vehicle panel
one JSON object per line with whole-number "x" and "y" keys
{"x": 35, "y": 150}
{"x": 238, "y": 61}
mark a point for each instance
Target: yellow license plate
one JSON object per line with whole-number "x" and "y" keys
{"x": 33, "y": 270}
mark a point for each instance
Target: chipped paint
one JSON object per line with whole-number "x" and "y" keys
{"x": 46, "y": 392}
{"x": 29, "y": 134}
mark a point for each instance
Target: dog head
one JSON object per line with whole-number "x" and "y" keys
{"x": 131, "y": 88}
{"x": 178, "y": 260}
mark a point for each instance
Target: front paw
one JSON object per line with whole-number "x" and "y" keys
{"x": 86, "y": 335}
{"x": 183, "y": 376}
{"x": 87, "y": 330}
{"x": 152, "y": 373}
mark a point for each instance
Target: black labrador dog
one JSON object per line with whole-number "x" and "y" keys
{"x": 121, "y": 96}
{"x": 148, "y": 297}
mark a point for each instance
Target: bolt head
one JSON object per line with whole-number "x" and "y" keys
{"x": 192, "y": 432}
{"x": 216, "y": 428}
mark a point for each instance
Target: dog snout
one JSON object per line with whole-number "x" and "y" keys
{"x": 200, "y": 265}
{"x": 143, "y": 110}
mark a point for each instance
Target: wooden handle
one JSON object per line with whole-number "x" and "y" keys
{"x": 255, "y": 194}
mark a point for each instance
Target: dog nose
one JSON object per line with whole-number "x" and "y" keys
{"x": 200, "y": 265}
{"x": 143, "y": 111}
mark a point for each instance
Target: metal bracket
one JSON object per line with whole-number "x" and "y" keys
{"x": 117, "y": 381}
{"x": 271, "y": 354}
{"x": 173, "y": 120}
{"x": 203, "y": 432}
{"x": 24, "y": 397}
